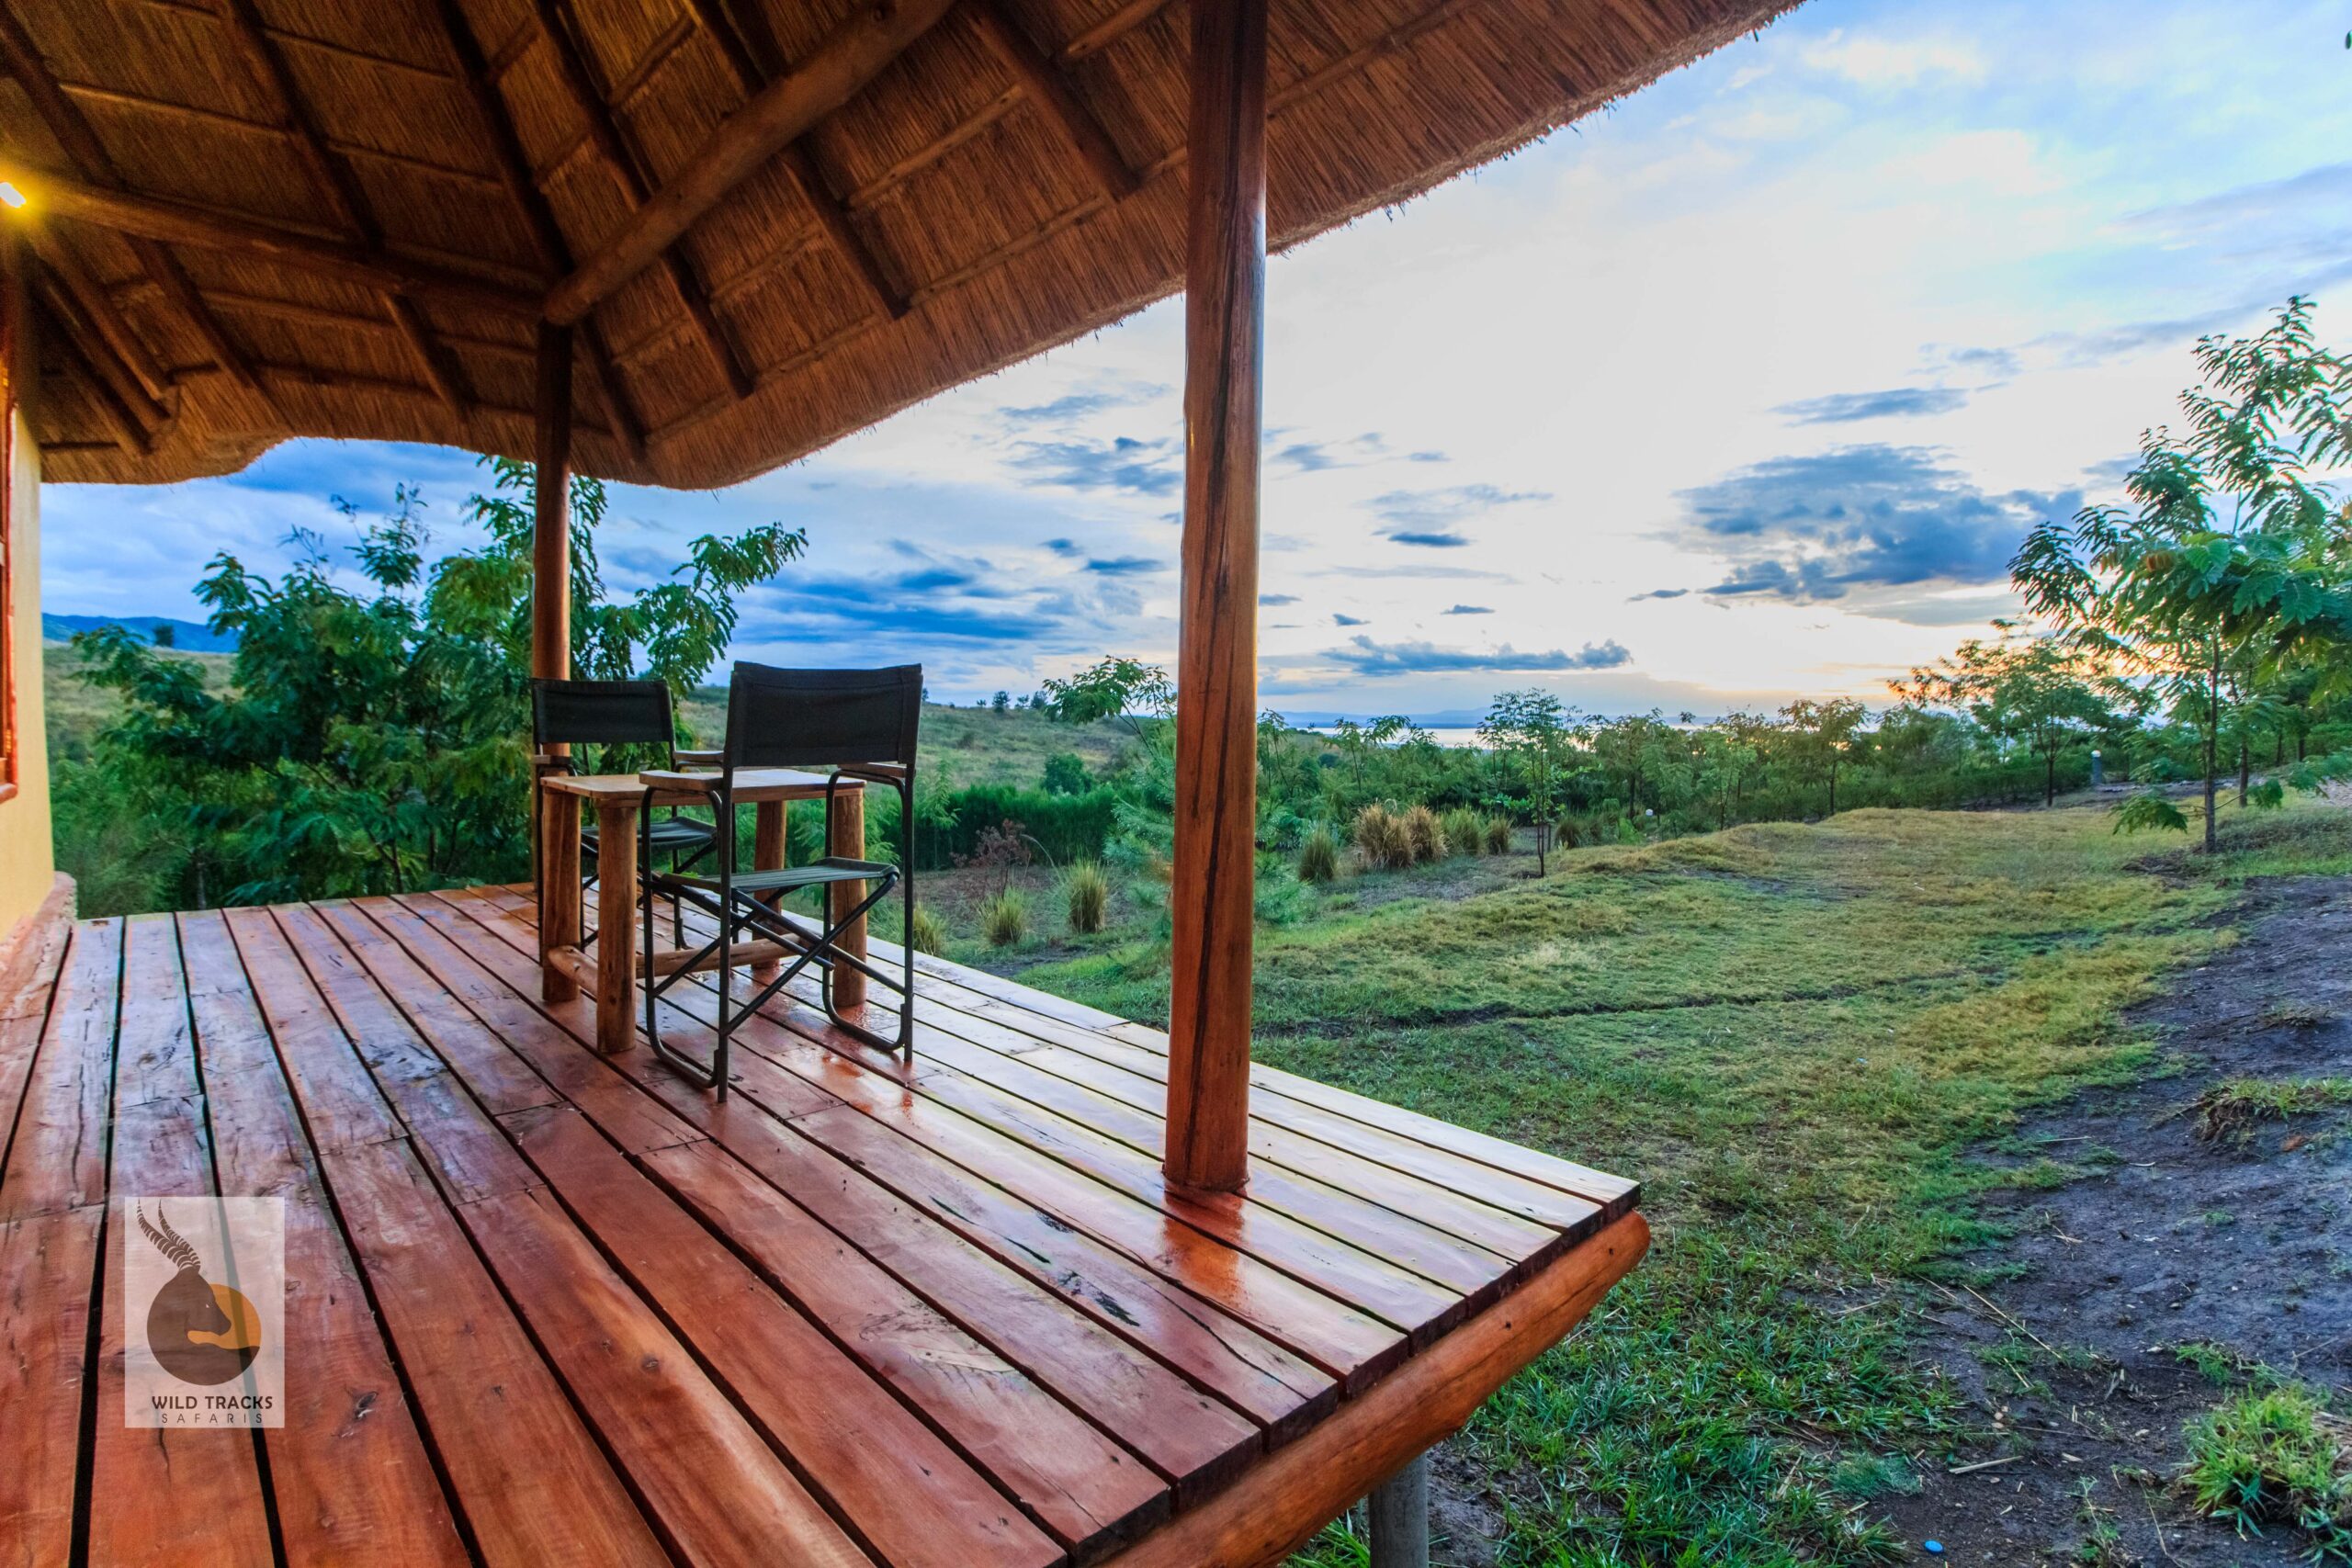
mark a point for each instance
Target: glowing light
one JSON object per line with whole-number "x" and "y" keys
{"x": 10, "y": 194}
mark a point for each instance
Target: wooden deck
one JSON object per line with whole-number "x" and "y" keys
{"x": 548, "y": 1307}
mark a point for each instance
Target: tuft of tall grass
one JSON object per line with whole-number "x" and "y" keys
{"x": 1004, "y": 919}
{"x": 1465, "y": 834}
{"x": 930, "y": 934}
{"x": 2276, "y": 1456}
{"x": 1089, "y": 892}
{"x": 1424, "y": 835}
{"x": 1499, "y": 835}
{"x": 1318, "y": 855}
{"x": 1380, "y": 838}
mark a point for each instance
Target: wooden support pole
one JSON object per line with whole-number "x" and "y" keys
{"x": 1400, "y": 1517}
{"x": 551, "y": 524}
{"x": 1216, "y": 666}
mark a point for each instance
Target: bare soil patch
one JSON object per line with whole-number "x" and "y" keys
{"x": 2152, "y": 1239}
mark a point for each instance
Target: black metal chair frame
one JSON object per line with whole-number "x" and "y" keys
{"x": 642, "y": 697}
{"x": 738, "y": 902}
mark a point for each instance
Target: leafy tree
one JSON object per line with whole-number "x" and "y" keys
{"x": 1066, "y": 775}
{"x": 2023, "y": 686}
{"x": 2230, "y": 562}
{"x": 374, "y": 739}
{"x": 1136, "y": 694}
{"x": 1824, "y": 734}
{"x": 1002, "y": 704}
{"x": 1532, "y": 731}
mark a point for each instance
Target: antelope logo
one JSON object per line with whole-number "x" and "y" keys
{"x": 202, "y": 1331}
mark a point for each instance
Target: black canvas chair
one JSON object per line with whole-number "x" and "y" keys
{"x": 860, "y": 725}
{"x": 618, "y": 717}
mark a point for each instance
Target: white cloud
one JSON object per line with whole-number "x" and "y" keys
{"x": 1876, "y": 61}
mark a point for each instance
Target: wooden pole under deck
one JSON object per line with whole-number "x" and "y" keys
{"x": 556, "y": 843}
{"x": 1216, "y": 669}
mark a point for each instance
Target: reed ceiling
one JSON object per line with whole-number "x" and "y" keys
{"x": 262, "y": 219}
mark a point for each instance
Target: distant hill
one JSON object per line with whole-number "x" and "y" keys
{"x": 193, "y": 636}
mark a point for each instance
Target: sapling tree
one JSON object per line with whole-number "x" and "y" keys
{"x": 2027, "y": 687}
{"x": 1532, "y": 732}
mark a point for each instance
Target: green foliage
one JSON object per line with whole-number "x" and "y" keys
{"x": 2268, "y": 796}
{"x": 1066, "y": 775}
{"x": 1128, "y": 690}
{"x": 2028, "y": 688}
{"x": 2148, "y": 812}
{"x": 1499, "y": 835}
{"x": 929, "y": 934}
{"x": 1088, "y": 891}
{"x": 2229, "y": 1112}
{"x": 1465, "y": 831}
{"x": 2274, "y": 1456}
{"x": 1532, "y": 732}
{"x": 1319, "y": 854}
{"x": 1381, "y": 839}
{"x": 373, "y": 739}
{"x": 1004, "y": 918}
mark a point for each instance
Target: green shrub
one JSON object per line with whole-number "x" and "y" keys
{"x": 1089, "y": 897}
{"x": 1424, "y": 835}
{"x": 1499, "y": 835}
{"x": 1004, "y": 919}
{"x": 2268, "y": 796}
{"x": 2149, "y": 812}
{"x": 930, "y": 935}
{"x": 1066, "y": 775}
{"x": 1465, "y": 833}
{"x": 1380, "y": 838}
{"x": 1318, "y": 855}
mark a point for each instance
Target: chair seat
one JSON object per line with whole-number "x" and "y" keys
{"x": 671, "y": 833}
{"x": 816, "y": 873}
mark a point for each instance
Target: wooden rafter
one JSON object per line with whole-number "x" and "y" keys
{"x": 196, "y": 9}
{"x": 87, "y": 154}
{"x": 752, "y": 73}
{"x": 840, "y": 66}
{"x": 1110, "y": 29}
{"x": 97, "y": 303}
{"x": 621, "y": 163}
{"x": 125, "y": 403}
{"x": 180, "y": 223}
{"x": 547, "y": 236}
{"x": 1055, "y": 98}
{"x": 129, "y": 433}
{"x": 333, "y": 179}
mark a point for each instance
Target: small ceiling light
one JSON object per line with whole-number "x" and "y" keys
{"x": 10, "y": 194}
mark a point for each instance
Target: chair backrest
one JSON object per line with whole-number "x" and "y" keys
{"x": 602, "y": 713}
{"x": 800, "y": 718}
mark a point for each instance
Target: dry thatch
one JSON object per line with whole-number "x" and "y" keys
{"x": 346, "y": 216}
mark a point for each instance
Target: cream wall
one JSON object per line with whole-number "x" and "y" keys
{"x": 28, "y": 863}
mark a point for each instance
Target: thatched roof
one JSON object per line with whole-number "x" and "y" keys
{"x": 261, "y": 218}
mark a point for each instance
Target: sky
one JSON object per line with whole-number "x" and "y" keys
{"x": 1745, "y": 389}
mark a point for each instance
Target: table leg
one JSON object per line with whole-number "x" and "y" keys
{"x": 559, "y": 890}
{"x": 845, "y": 835}
{"x": 615, "y": 926}
{"x": 771, "y": 851}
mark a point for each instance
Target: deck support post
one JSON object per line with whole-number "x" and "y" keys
{"x": 551, "y": 597}
{"x": 1400, "y": 1517}
{"x": 1216, "y": 667}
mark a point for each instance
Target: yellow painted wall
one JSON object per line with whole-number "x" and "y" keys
{"x": 28, "y": 863}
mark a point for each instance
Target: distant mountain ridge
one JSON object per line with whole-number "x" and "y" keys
{"x": 193, "y": 637}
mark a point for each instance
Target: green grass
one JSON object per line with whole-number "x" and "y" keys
{"x": 1797, "y": 1037}
{"x": 2275, "y": 1457}
{"x": 2229, "y": 1111}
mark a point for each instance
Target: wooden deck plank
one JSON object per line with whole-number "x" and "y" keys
{"x": 349, "y": 1471}
{"x": 536, "y": 1486}
{"x": 170, "y": 1495}
{"x": 1216, "y": 1352}
{"x": 1188, "y": 1436}
{"x": 48, "y": 1269}
{"x": 718, "y": 1492}
{"x": 56, "y": 1159}
{"x": 915, "y": 1499}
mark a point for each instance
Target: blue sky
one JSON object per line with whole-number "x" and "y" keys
{"x": 1745, "y": 389}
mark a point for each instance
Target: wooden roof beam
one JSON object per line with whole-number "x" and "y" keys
{"x": 333, "y": 178}
{"x": 129, "y": 433}
{"x": 97, "y": 303}
{"x": 473, "y": 75}
{"x": 139, "y": 412}
{"x": 176, "y": 223}
{"x": 620, "y": 162}
{"x": 751, "y": 74}
{"x": 832, "y": 217}
{"x": 89, "y": 154}
{"x": 849, "y": 58}
{"x": 1053, "y": 96}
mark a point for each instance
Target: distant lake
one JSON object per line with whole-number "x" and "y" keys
{"x": 1463, "y": 736}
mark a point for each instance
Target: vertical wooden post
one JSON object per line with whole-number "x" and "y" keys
{"x": 551, "y": 526}
{"x": 1400, "y": 1517}
{"x": 845, "y": 835}
{"x": 553, "y": 816}
{"x": 1217, "y": 668}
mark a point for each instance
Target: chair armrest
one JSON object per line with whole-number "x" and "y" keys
{"x": 706, "y": 758}
{"x": 670, "y": 778}
{"x": 877, "y": 773}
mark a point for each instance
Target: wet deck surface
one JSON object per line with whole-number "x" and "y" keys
{"x": 545, "y": 1305}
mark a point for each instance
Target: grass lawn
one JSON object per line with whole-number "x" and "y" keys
{"x": 1795, "y": 1036}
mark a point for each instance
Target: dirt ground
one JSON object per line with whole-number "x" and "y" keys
{"x": 2164, "y": 1241}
